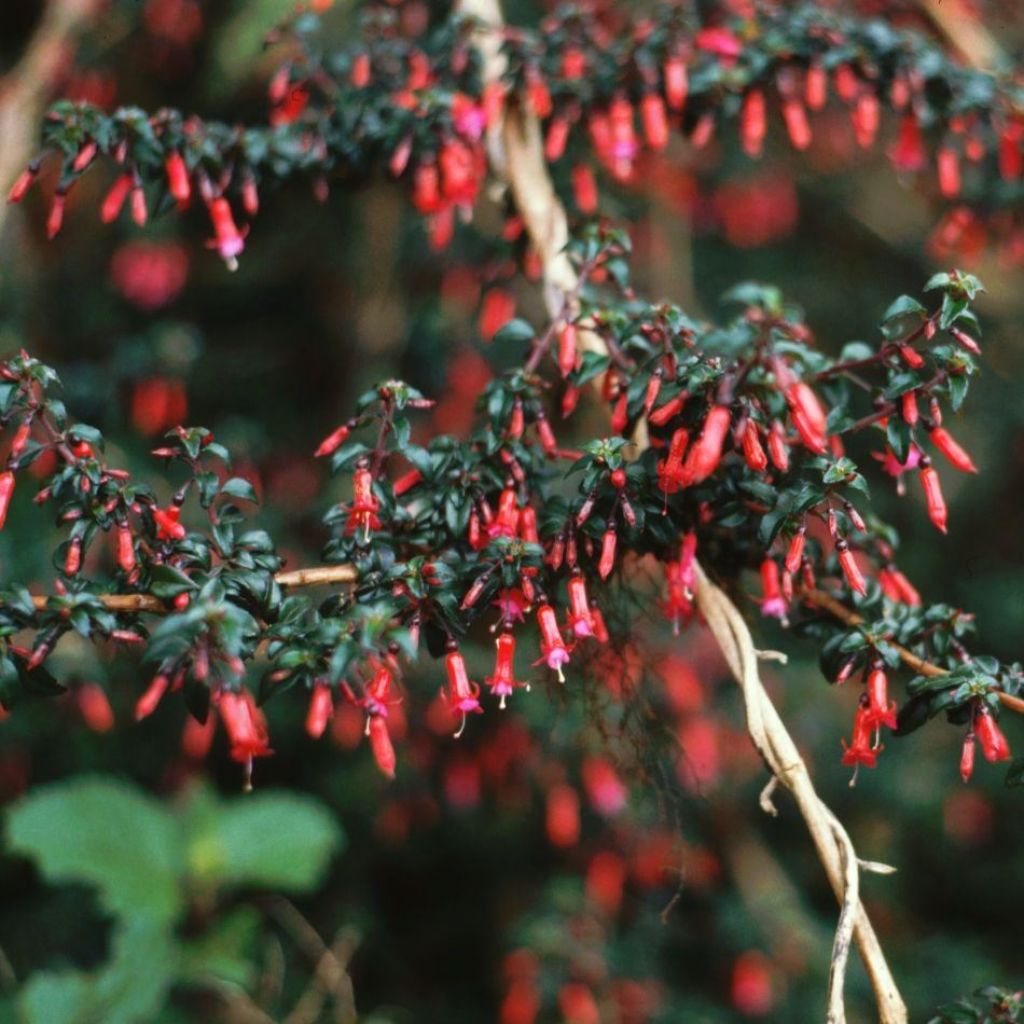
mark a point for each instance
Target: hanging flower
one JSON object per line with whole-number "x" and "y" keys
{"x": 773, "y": 604}
{"x": 860, "y": 750}
{"x": 554, "y": 653}
{"x": 321, "y": 707}
{"x": 246, "y": 728}
{"x": 463, "y": 696}
{"x": 502, "y": 682}
{"x": 580, "y": 621}
{"x": 990, "y": 736}
{"x": 362, "y": 515}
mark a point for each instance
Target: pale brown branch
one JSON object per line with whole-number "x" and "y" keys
{"x": 318, "y": 576}
{"x": 967, "y": 34}
{"x": 517, "y": 160}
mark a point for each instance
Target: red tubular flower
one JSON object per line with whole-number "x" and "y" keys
{"x": 773, "y": 604}
{"x": 140, "y": 214}
{"x": 908, "y": 593}
{"x": 246, "y": 726}
{"x": 816, "y": 87}
{"x": 797, "y": 125}
{"x": 778, "y": 450}
{"x": 933, "y": 494}
{"x": 753, "y": 123}
{"x": 502, "y": 681}
{"x": 677, "y": 84}
{"x": 908, "y": 155}
{"x": 538, "y": 95}
{"x": 321, "y": 707}
{"x": 95, "y": 707}
{"x": 23, "y": 183}
{"x": 881, "y": 710}
{"x": 567, "y": 349}
{"x": 580, "y": 621}
{"x": 6, "y": 492}
{"x": 908, "y": 407}
{"x": 363, "y": 513}
{"x": 21, "y": 436}
{"x": 860, "y": 751}
{"x": 562, "y": 817}
{"x": 377, "y": 698}
{"x": 753, "y": 451}
{"x": 865, "y": 119}
{"x": 125, "y": 548}
{"x": 957, "y": 457}
{"x": 228, "y": 241}
{"x": 553, "y": 650}
{"x": 516, "y": 421}
{"x": 795, "y": 551}
{"x": 600, "y": 627}
{"x": 652, "y": 391}
{"x": 147, "y": 703}
{"x": 73, "y": 557}
{"x": 967, "y": 757}
{"x": 56, "y": 218}
{"x": 848, "y": 563}
{"x": 250, "y": 195}
{"x": 655, "y": 122}
{"x": 556, "y": 138}
{"x": 380, "y": 744}
{"x": 463, "y": 696}
{"x": 167, "y": 525}
{"x": 114, "y": 199}
{"x": 333, "y": 441}
{"x": 990, "y": 736}
{"x": 528, "y": 525}
{"x": 546, "y": 436}
{"x": 808, "y": 416}
{"x": 948, "y": 162}
{"x": 660, "y": 416}
{"x": 706, "y": 452}
{"x": 670, "y": 469}
{"x": 964, "y": 340}
{"x": 584, "y": 189}
{"x": 911, "y": 357}
{"x": 360, "y": 73}
{"x": 608, "y": 545}
{"x": 406, "y": 482}
{"x": 506, "y": 522}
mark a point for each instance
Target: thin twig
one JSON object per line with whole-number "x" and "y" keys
{"x": 317, "y": 576}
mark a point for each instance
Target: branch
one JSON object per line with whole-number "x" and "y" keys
{"x": 321, "y": 575}
{"x": 519, "y": 163}
{"x": 835, "y": 608}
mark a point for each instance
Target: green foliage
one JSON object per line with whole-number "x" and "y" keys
{"x": 146, "y": 862}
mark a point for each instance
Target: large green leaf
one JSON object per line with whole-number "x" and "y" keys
{"x": 104, "y": 833}
{"x": 130, "y": 989}
{"x": 272, "y": 840}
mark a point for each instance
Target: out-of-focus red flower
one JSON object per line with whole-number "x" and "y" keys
{"x": 158, "y": 403}
{"x": 756, "y": 211}
{"x": 563, "y": 815}
{"x": 149, "y": 274}
{"x": 752, "y": 990}
{"x": 173, "y": 21}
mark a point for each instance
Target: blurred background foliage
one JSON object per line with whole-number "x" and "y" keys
{"x": 509, "y": 866}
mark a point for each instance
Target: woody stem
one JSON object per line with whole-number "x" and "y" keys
{"x": 517, "y": 159}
